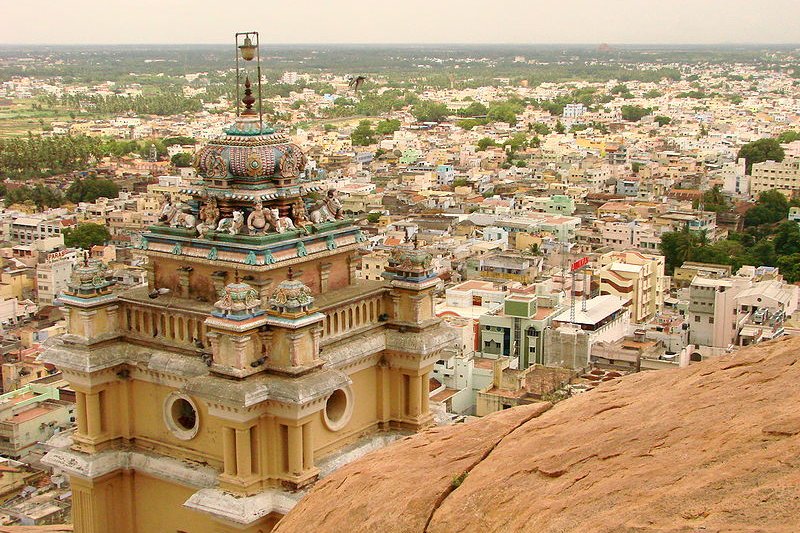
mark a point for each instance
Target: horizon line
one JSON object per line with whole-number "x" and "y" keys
{"x": 342, "y": 43}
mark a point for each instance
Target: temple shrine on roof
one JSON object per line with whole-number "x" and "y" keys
{"x": 251, "y": 362}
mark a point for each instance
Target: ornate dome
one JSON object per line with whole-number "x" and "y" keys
{"x": 89, "y": 278}
{"x": 291, "y": 297}
{"x": 409, "y": 264}
{"x": 238, "y": 301}
{"x": 248, "y": 152}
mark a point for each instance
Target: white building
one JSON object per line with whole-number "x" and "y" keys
{"x": 53, "y": 274}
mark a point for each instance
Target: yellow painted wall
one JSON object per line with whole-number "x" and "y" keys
{"x": 148, "y": 422}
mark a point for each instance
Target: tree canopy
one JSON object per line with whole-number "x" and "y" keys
{"x": 181, "y": 160}
{"x": 771, "y": 207}
{"x": 363, "y": 134}
{"x": 760, "y": 151}
{"x": 428, "y": 111}
{"x": 86, "y": 235}
{"x": 90, "y": 189}
{"x": 634, "y": 113}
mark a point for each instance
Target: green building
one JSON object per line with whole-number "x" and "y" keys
{"x": 516, "y": 329}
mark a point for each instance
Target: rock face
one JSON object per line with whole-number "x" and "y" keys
{"x": 712, "y": 447}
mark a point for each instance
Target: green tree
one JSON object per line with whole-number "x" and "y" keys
{"x": 90, "y": 189}
{"x": 760, "y": 151}
{"x": 787, "y": 238}
{"x": 713, "y": 200}
{"x": 181, "y": 160}
{"x": 485, "y": 143}
{"x": 770, "y": 207}
{"x": 634, "y": 113}
{"x": 372, "y": 218}
{"x": 363, "y": 134}
{"x": 86, "y": 235}
{"x": 788, "y": 136}
{"x": 428, "y": 111}
{"x": 540, "y": 128}
{"x": 504, "y": 112}
{"x": 560, "y": 127}
{"x": 475, "y": 109}
{"x": 387, "y": 127}
{"x": 662, "y": 120}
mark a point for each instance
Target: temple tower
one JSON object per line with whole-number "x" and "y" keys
{"x": 250, "y": 360}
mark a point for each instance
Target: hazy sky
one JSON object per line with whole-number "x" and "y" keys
{"x": 401, "y": 21}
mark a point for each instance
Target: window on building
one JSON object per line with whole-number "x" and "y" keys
{"x": 711, "y": 320}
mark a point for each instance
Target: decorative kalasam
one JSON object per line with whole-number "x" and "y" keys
{"x": 237, "y": 300}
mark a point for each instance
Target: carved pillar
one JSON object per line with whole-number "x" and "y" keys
{"x": 324, "y": 274}
{"x": 94, "y": 417}
{"x": 264, "y": 288}
{"x": 352, "y": 264}
{"x": 316, "y": 333}
{"x": 241, "y": 350}
{"x": 417, "y": 304}
{"x": 87, "y": 323}
{"x": 294, "y": 350}
{"x": 80, "y": 411}
{"x": 183, "y": 281}
{"x": 414, "y": 395}
{"x": 396, "y": 306}
{"x": 308, "y": 447}
{"x": 295, "y": 450}
{"x": 244, "y": 466}
{"x": 112, "y": 314}
{"x": 229, "y": 450}
{"x": 150, "y": 267}
{"x": 219, "y": 279}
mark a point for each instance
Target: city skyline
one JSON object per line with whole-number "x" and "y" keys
{"x": 623, "y": 22}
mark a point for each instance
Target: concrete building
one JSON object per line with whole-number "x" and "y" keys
{"x": 516, "y": 330}
{"x": 53, "y": 274}
{"x": 636, "y": 278}
{"x": 781, "y": 176}
{"x": 713, "y": 316}
{"x": 30, "y": 415}
{"x": 568, "y": 342}
{"x": 373, "y": 265}
{"x": 29, "y": 229}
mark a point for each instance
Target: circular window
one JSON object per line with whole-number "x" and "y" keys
{"x": 338, "y": 409}
{"x": 180, "y": 415}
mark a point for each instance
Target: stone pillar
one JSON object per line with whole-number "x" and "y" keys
{"x": 352, "y": 263}
{"x": 229, "y": 450}
{"x": 324, "y": 274}
{"x": 424, "y": 395}
{"x": 294, "y": 350}
{"x": 244, "y": 466}
{"x": 295, "y": 450}
{"x": 414, "y": 395}
{"x": 396, "y": 306}
{"x": 264, "y": 288}
{"x": 241, "y": 350}
{"x": 150, "y": 267}
{"x": 183, "y": 281}
{"x": 94, "y": 418}
{"x": 87, "y": 323}
{"x": 308, "y": 447}
{"x": 316, "y": 334}
{"x": 112, "y": 314}
{"x": 219, "y": 281}
{"x": 417, "y": 303}
{"x": 80, "y": 411}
